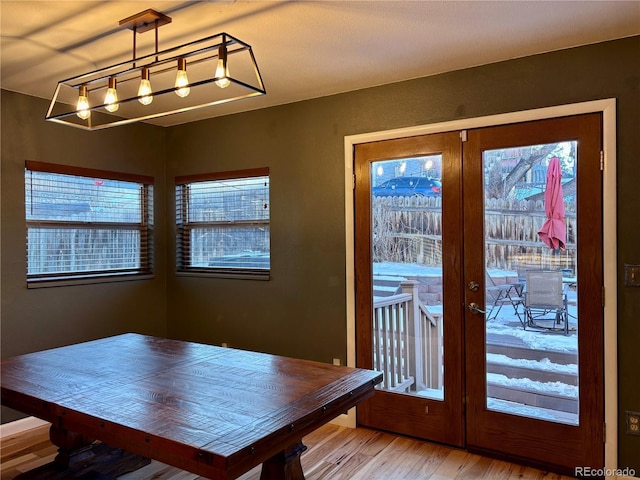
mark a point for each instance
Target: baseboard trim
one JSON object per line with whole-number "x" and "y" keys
{"x": 345, "y": 420}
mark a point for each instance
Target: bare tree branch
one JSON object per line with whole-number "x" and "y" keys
{"x": 525, "y": 164}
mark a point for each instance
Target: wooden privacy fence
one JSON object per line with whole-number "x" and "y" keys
{"x": 407, "y": 342}
{"x": 409, "y": 230}
{"x": 82, "y": 249}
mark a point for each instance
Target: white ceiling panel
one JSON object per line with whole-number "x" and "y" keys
{"x": 304, "y": 49}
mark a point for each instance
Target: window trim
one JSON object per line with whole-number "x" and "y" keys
{"x": 183, "y": 229}
{"x": 87, "y": 172}
{"x": 231, "y": 175}
{"x": 145, "y": 227}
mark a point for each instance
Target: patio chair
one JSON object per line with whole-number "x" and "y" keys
{"x": 545, "y": 300}
{"x": 499, "y": 295}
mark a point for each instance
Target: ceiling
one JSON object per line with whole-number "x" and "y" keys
{"x": 304, "y": 49}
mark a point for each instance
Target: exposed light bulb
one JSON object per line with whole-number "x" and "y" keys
{"x": 82, "y": 108}
{"x": 222, "y": 71}
{"x": 111, "y": 98}
{"x": 182, "y": 82}
{"x": 144, "y": 92}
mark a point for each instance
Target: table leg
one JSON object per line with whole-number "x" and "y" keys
{"x": 81, "y": 457}
{"x": 284, "y": 465}
{"x": 73, "y": 448}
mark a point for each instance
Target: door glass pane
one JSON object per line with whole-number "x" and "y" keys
{"x": 531, "y": 281}
{"x": 406, "y": 228}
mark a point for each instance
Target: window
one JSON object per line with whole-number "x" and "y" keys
{"x": 84, "y": 223}
{"x": 223, "y": 223}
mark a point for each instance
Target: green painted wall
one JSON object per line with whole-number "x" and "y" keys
{"x": 37, "y": 319}
{"x": 301, "y": 310}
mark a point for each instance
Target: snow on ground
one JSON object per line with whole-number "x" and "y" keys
{"x": 544, "y": 364}
{"x": 507, "y": 323}
{"x": 555, "y": 388}
{"x": 507, "y": 327}
{"x": 530, "y": 411}
{"x": 405, "y": 269}
{"x": 398, "y": 278}
{"x": 432, "y": 393}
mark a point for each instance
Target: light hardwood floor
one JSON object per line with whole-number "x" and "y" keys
{"x": 334, "y": 453}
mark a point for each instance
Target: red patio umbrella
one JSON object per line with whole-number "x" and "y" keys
{"x": 554, "y": 231}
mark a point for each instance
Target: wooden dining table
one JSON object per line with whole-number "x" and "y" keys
{"x": 114, "y": 403}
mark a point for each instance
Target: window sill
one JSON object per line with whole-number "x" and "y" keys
{"x": 67, "y": 282}
{"x": 230, "y": 274}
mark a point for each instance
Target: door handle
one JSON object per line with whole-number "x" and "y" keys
{"x": 475, "y": 308}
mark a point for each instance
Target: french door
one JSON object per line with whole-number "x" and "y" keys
{"x": 475, "y": 353}
{"x": 423, "y": 394}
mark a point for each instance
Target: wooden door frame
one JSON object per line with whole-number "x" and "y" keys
{"x": 608, "y": 109}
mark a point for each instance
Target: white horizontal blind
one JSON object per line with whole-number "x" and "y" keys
{"x": 223, "y": 222}
{"x": 85, "y": 223}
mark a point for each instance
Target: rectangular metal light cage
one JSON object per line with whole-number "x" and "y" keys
{"x": 201, "y": 58}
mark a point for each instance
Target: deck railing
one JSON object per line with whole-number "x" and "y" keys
{"x": 407, "y": 342}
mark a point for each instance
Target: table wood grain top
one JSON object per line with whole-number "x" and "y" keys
{"x": 211, "y": 410}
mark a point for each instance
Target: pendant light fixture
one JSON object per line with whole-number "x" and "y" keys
{"x": 145, "y": 96}
{"x": 82, "y": 107}
{"x": 111, "y": 98}
{"x": 182, "y": 81}
{"x": 222, "y": 69}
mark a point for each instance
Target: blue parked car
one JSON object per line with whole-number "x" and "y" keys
{"x": 408, "y": 186}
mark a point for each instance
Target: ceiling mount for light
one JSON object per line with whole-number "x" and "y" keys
{"x": 203, "y": 73}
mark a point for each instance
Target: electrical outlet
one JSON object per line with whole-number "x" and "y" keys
{"x": 336, "y": 361}
{"x": 632, "y": 275}
{"x": 633, "y": 423}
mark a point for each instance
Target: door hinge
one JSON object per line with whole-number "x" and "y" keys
{"x": 353, "y": 186}
{"x": 602, "y": 160}
{"x": 463, "y": 135}
{"x": 603, "y": 296}
{"x": 604, "y": 432}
